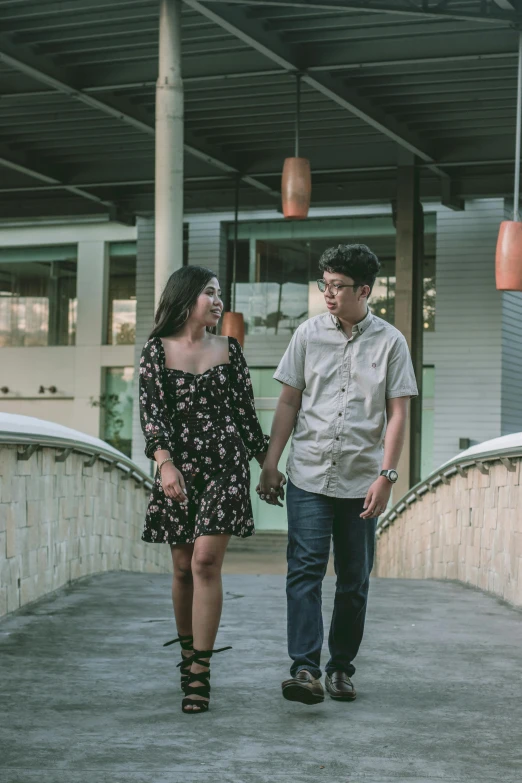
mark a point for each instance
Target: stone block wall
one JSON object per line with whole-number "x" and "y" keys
{"x": 60, "y": 521}
{"x": 469, "y": 530}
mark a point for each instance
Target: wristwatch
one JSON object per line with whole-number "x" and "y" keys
{"x": 391, "y": 475}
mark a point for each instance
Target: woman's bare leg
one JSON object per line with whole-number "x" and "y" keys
{"x": 182, "y": 587}
{"x": 207, "y": 560}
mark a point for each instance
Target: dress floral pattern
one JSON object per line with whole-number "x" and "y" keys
{"x": 209, "y": 425}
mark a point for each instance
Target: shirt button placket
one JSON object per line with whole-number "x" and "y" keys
{"x": 345, "y": 374}
{"x": 340, "y": 419}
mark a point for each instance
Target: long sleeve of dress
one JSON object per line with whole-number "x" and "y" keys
{"x": 245, "y": 415}
{"x": 154, "y": 416}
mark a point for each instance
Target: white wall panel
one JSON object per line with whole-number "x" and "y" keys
{"x": 511, "y": 362}
{"x": 466, "y": 347}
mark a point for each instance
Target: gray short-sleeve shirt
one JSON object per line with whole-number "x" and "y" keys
{"x": 337, "y": 445}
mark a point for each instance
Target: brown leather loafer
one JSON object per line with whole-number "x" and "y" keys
{"x": 303, "y": 688}
{"x": 340, "y": 687}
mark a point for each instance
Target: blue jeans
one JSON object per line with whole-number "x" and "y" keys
{"x": 312, "y": 521}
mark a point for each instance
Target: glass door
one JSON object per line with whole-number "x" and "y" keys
{"x": 266, "y": 391}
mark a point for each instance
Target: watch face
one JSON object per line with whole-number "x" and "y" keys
{"x": 393, "y": 475}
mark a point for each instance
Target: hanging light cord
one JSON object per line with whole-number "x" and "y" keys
{"x": 297, "y": 112}
{"x": 516, "y": 196}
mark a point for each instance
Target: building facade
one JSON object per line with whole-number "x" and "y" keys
{"x": 77, "y": 303}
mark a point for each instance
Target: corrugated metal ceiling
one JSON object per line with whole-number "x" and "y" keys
{"x": 447, "y": 84}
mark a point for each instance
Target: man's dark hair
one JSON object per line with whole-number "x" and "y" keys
{"x": 355, "y": 261}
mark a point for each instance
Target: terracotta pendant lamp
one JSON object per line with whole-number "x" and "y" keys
{"x": 508, "y": 264}
{"x": 296, "y": 185}
{"x": 233, "y": 324}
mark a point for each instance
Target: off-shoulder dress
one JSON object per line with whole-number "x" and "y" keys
{"x": 209, "y": 425}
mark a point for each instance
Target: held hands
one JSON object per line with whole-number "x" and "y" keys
{"x": 377, "y": 498}
{"x": 173, "y": 483}
{"x": 271, "y": 486}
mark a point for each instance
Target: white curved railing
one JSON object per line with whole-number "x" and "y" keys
{"x": 464, "y": 523}
{"x": 481, "y": 456}
{"x": 36, "y": 433}
{"x": 70, "y": 506}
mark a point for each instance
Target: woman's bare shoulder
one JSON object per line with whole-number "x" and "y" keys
{"x": 220, "y": 347}
{"x": 216, "y": 342}
{"x": 219, "y": 339}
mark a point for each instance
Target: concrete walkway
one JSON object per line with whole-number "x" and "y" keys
{"x": 90, "y": 695}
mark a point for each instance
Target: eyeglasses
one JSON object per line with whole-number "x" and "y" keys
{"x": 334, "y": 288}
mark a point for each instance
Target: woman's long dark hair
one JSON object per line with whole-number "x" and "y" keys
{"x": 179, "y": 298}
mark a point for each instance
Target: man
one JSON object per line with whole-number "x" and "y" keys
{"x": 347, "y": 380}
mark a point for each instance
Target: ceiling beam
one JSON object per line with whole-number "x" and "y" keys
{"x": 239, "y": 75}
{"x": 45, "y": 72}
{"x": 353, "y": 191}
{"x": 120, "y": 9}
{"x": 250, "y": 32}
{"x": 506, "y": 5}
{"x": 506, "y": 10}
{"x": 123, "y": 183}
{"x": 23, "y": 164}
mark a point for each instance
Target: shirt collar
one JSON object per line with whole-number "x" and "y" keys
{"x": 359, "y": 328}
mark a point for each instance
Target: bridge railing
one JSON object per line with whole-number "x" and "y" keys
{"x": 462, "y": 522}
{"x": 70, "y": 506}
{"x": 481, "y": 457}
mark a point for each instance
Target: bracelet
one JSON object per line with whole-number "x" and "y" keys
{"x": 168, "y": 459}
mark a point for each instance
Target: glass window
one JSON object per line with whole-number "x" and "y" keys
{"x": 121, "y": 321}
{"x": 382, "y": 300}
{"x": 38, "y": 296}
{"x": 277, "y": 265}
{"x": 266, "y": 392}
{"x": 116, "y": 408}
{"x": 264, "y": 384}
{"x": 122, "y": 294}
{"x": 272, "y": 283}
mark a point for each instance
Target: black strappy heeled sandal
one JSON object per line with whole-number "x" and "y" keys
{"x": 203, "y": 677}
{"x": 186, "y": 643}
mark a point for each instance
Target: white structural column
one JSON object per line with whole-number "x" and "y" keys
{"x": 92, "y": 284}
{"x": 169, "y": 147}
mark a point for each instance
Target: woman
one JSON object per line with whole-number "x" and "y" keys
{"x": 200, "y": 426}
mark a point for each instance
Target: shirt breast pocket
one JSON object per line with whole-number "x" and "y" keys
{"x": 322, "y": 364}
{"x": 370, "y": 385}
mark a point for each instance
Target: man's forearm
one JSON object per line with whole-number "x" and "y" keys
{"x": 282, "y": 426}
{"x": 394, "y": 441}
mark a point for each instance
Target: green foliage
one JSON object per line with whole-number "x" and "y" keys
{"x": 109, "y": 404}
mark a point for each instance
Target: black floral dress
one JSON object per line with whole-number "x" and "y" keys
{"x": 209, "y": 425}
